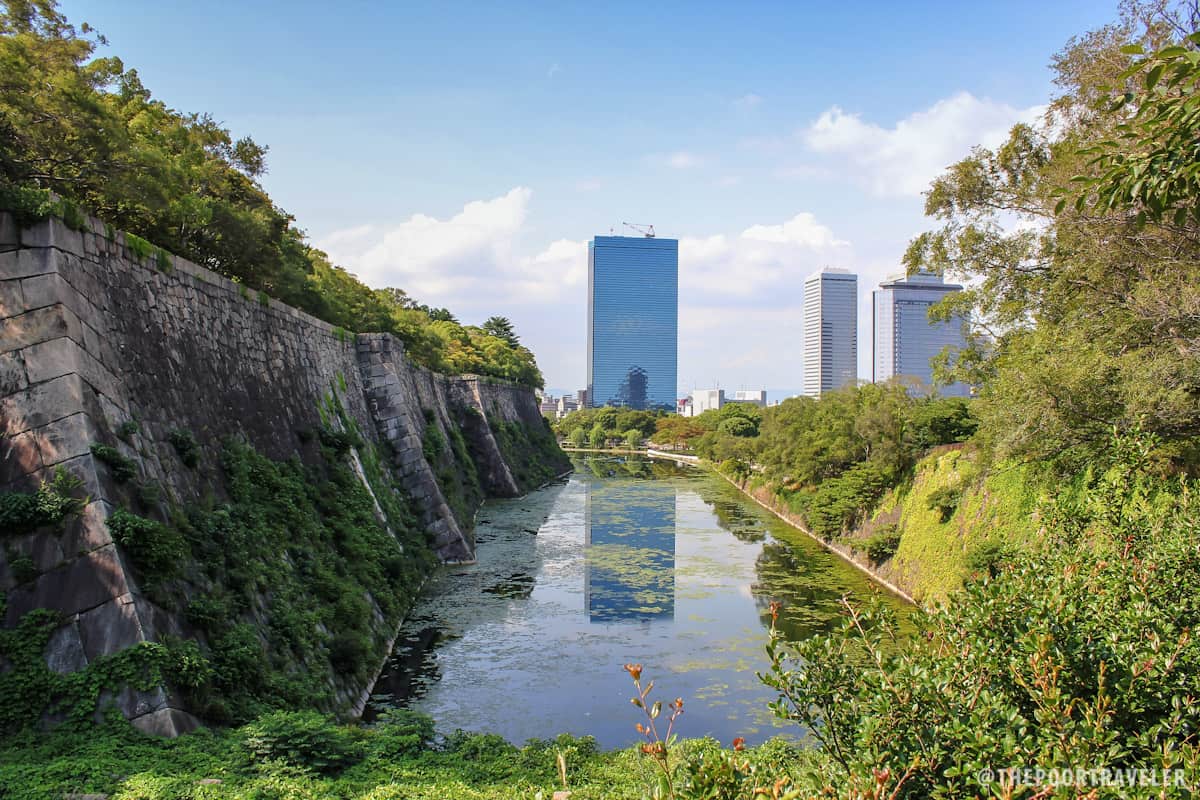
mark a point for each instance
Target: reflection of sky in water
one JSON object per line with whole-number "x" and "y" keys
{"x": 680, "y": 569}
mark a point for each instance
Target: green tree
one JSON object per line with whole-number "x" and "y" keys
{"x": 501, "y": 328}
{"x": 1084, "y": 317}
{"x": 633, "y": 439}
{"x": 577, "y": 438}
{"x": 597, "y": 438}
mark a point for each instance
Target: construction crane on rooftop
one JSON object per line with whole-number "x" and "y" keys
{"x": 644, "y": 230}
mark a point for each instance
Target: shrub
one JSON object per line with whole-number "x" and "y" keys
{"x": 158, "y": 550}
{"x": 121, "y": 468}
{"x": 303, "y": 739}
{"x": 433, "y": 444}
{"x": 945, "y": 501}
{"x": 127, "y": 429}
{"x": 185, "y": 447}
{"x": 633, "y": 439}
{"x": 148, "y": 495}
{"x": 988, "y": 556}
{"x": 399, "y": 732}
{"x": 22, "y": 512}
{"x": 1081, "y": 653}
{"x": 882, "y": 545}
{"x": 339, "y": 441}
{"x": 23, "y": 569}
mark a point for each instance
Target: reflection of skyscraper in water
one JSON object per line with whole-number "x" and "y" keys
{"x": 629, "y": 550}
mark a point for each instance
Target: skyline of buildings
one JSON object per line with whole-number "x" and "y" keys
{"x": 633, "y": 331}
{"x": 830, "y": 330}
{"x": 633, "y": 322}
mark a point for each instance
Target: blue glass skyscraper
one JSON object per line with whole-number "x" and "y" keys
{"x": 633, "y": 321}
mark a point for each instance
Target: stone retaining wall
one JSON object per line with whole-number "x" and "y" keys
{"x": 92, "y": 337}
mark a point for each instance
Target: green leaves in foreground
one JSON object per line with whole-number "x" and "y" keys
{"x": 1082, "y": 656}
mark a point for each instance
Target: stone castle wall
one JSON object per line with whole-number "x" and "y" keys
{"x": 92, "y": 337}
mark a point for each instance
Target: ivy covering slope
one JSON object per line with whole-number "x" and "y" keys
{"x": 86, "y": 128}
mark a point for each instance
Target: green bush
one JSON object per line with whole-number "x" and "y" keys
{"x": 399, "y": 732}
{"x": 23, "y": 569}
{"x": 21, "y": 512}
{"x": 127, "y": 429}
{"x": 159, "y": 551}
{"x": 882, "y": 545}
{"x": 945, "y": 500}
{"x": 185, "y": 446}
{"x": 1079, "y": 654}
{"x": 988, "y": 557}
{"x": 433, "y": 443}
{"x": 302, "y": 739}
{"x": 121, "y": 468}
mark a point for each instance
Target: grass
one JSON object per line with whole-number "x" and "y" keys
{"x": 376, "y": 763}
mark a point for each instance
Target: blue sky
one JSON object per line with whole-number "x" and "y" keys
{"x": 465, "y": 152}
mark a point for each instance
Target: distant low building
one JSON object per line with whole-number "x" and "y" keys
{"x": 706, "y": 400}
{"x": 566, "y": 405}
{"x": 757, "y": 397}
{"x": 683, "y": 406}
{"x": 549, "y": 406}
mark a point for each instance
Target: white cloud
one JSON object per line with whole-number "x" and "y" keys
{"x": 431, "y": 258}
{"x": 903, "y": 159}
{"x": 759, "y": 266}
{"x": 680, "y": 159}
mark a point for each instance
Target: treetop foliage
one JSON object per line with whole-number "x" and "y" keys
{"x": 1078, "y": 241}
{"x": 86, "y": 128}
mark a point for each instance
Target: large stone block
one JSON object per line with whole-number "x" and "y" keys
{"x": 64, "y": 651}
{"x": 35, "y": 327}
{"x": 10, "y": 234}
{"x": 25, "y": 263}
{"x": 19, "y": 457}
{"x": 12, "y": 374}
{"x": 12, "y": 300}
{"x": 43, "y": 290}
{"x": 87, "y": 531}
{"x": 111, "y": 627}
{"x": 169, "y": 722}
{"x": 41, "y": 404}
{"x": 78, "y": 586}
{"x": 52, "y": 359}
{"x": 53, "y": 232}
{"x": 65, "y": 438}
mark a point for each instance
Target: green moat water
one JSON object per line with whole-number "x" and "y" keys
{"x": 631, "y": 560}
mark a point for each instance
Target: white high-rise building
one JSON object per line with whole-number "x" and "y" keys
{"x": 830, "y": 330}
{"x": 905, "y": 341}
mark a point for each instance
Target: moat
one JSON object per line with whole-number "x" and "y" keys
{"x": 630, "y": 560}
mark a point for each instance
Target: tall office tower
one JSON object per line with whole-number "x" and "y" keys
{"x": 904, "y": 338}
{"x": 830, "y": 330}
{"x": 633, "y": 321}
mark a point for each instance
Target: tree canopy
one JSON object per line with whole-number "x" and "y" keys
{"x": 1079, "y": 242}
